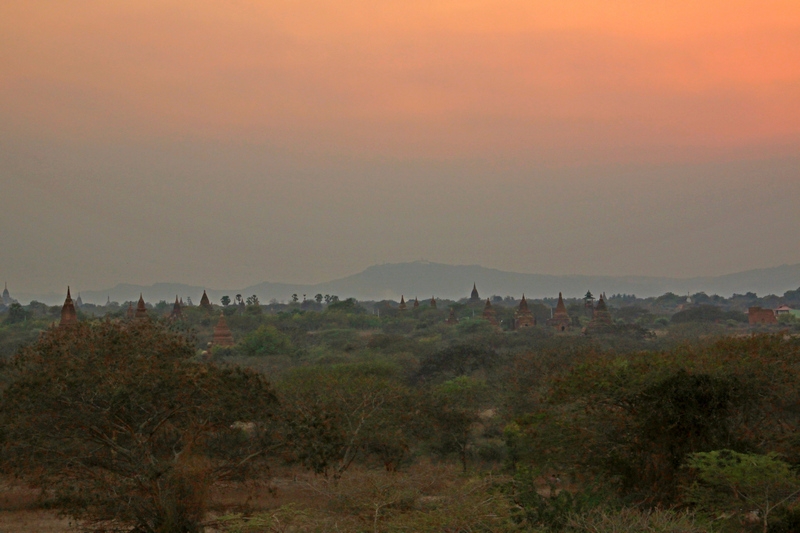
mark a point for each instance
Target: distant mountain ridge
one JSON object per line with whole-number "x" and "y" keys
{"x": 424, "y": 279}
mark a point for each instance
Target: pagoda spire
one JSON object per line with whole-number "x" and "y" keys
{"x": 222, "y": 333}
{"x": 69, "y": 317}
{"x": 177, "y": 312}
{"x": 141, "y": 309}
{"x": 474, "y": 296}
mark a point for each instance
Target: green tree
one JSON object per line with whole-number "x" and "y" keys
{"x": 318, "y": 298}
{"x": 266, "y": 340}
{"x": 121, "y": 426}
{"x": 456, "y": 406}
{"x": 727, "y": 479}
{"x": 17, "y": 314}
{"x": 225, "y": 300}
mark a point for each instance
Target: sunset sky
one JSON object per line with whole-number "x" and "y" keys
{"x": 225, "y": 143}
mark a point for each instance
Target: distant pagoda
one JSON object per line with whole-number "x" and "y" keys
{"x": 205, "y": 303}
{"x": 130, "y": 313}
{"x": 474, "y": 296}
{"x": 601, "y": 320}
{"x": 222, "y": 333}
{"x": 416, "y": 303}
{"x": 69, "y": 316}
{"x": 523, "y": 318}
{"x": 560, "y": 319}
{"x": 402, "y": 306}
{"x": 489, "y": 313}
{"x": 451, "y": 319}
{"x": 177, "y": 310}
{"x": 141, "y": 309}
{"x": 433, "y": 302}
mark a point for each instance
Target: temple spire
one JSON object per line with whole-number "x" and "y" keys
{"x": 222, "y": 333}
{"x": 141, "y": 309}
{"x": 69, "y": 317}
{"x": 474, "y": 296}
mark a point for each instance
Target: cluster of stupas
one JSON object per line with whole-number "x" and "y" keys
{"x": 222, "y": 333}
{"x": 523, "y": 317}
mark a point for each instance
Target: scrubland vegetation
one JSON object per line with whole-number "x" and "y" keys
{"x": 351, "y": 417}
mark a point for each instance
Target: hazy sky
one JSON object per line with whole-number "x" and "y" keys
{"x": 225, "y": 143}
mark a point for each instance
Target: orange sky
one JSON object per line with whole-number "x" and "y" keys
{"x": 556, "y": 81}
{"x": 225, "y": 143}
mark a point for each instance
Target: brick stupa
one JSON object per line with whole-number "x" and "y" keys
{"x": 69, "y": 316}
{"x": 560, "y": 319}
{"x": 601, "y": 319}
{"x": 433, "y": 302}
{"x": 141, "y": 309}
{"x": 474, "y": 296}
{"x": 222, "y": 333}
{"x": 402, "y": 303}
{"x": 416, "y": 303}
{"x": 177, "y": 310}
{"x": 205, "y": 303}
{"x": 130, "y": 313}
{"x": 489, "y": 313}
{"x": 451, "y": 319}
{"x": 523, "y": 318}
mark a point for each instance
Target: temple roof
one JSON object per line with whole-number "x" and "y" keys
{"x": 474, "y": 296}
{"x": 69, "y": 317}
{"x": 177, "y": 311}
{"x": 141, "y": 308}
{"x": 416, "y": 303}
{"x": 523, "y": 305}
{"x": 433, "y": 302}
{"x": 204, "y": 301}
{"x": 402, "y": 302}
{"x": 561, "y": 309}
{"x": 222, "y": 333}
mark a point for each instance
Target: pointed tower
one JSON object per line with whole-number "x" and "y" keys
{"x": 177, "y": 312}
{"x": 222, "y": 333}
{"x": 130, "y": 313}
{"x": 416, "y": 303}
{"x": 489, "y": 313}
{"x": 523, "y": 318}
{"x": 7, "y": 300}
{"x": 451, "y": 319}
{"x": 402, "y": 303}
{"x": 78, "y": 301}
{"x": 69, "y": 317}
{"x": 433, "y": 302}
{"x": 205, "y": 303}
{"x": 141, "y": 309}
{"x": 474, "y": 296}
{"x": 601, "y": 321}
{"x": 560, "y": 319}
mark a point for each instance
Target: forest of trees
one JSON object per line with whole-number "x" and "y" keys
{"x": 334, "y": 415}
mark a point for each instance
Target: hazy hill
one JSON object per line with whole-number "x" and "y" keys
{"x": 424, "y": 279}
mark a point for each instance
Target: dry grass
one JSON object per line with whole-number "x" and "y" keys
{"x": 426, "y": 496}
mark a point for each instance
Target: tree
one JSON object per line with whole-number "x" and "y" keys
{"x": 727, "y": 479}
{"x": 122, "y": 426}
{"x": 266, "y": 340}
{"x": 456, "y": 405}
{"x": 295, "y": 298}
{"x": 318, "y": 298}
{"x": 225, "y": 300}
{"x": 17, "y": 313}
{"x": 333, "y": 416}
{"x": 253, "y": 300}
